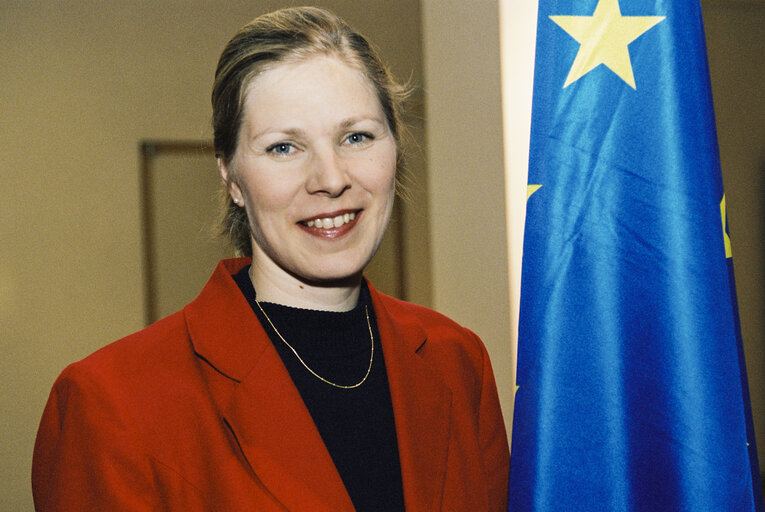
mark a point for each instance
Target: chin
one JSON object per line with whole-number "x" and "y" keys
{"x": 342, "y": 267}
{"x": 341, "y": 275}
{"x": 331, "y": 280}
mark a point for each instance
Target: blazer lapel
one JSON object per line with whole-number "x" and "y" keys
{"x": 265, "y": 413}
{"x": 421, "y": 405}
{"x": 280, "y": 441}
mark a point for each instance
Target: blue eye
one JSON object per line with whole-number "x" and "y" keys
{"x": 281, "y": 148}
{"x": 359, "y": 138}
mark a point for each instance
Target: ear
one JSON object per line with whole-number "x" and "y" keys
{"x": 228, "y": 179}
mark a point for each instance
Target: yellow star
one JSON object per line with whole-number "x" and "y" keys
{"x": 603, "y": 39}
{"x": 530, "y": 189}
{"x": 726, "y": 237}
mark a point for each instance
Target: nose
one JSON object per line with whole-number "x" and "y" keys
{"x": 329, "y": 173}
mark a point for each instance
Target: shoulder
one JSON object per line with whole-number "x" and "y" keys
{"x": 159, "y": 366}
{"x": 437, "y": 339}
{"x": 109, "y": 417}
{"x": 138, "y": 376}
{"x": 436, "y": 325}
{"x": 136, "y": 355}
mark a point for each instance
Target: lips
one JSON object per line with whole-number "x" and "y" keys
{"x": 332, "y": 225}
{"x": 331, "y": 222}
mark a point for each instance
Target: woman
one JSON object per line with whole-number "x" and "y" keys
{"x": 289, "y": 383}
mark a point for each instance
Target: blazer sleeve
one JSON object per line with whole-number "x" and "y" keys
{"x": 493, "y": 438}
{"x": 87, "y": 456}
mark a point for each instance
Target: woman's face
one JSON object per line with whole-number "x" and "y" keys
{"x": 314, "y": 167}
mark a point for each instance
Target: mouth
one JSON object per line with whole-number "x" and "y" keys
{"x": 331, "y": 221}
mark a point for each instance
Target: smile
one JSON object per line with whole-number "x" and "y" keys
{"x": 330, "y": 222}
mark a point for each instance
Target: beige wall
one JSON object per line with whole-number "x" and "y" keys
{"x": 82, "y": 83}
{"x": 466, "y": 181}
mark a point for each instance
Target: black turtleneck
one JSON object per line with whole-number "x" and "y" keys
{"x": 356, "y": 424}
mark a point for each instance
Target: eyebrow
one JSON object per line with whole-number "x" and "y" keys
{"x": 298, "y": 132}
{"x": 289, "y": 132}
{"x": 347, "y": 123}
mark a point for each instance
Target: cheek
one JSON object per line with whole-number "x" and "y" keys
{"x": 384, "y": 179}
{"x": 264, "y": 195}
{"x": 384, "y": 188}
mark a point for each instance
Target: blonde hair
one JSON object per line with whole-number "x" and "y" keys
{"x": 287, "y": 35}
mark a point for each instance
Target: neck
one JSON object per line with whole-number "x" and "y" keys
{"x": 274, "y": 284}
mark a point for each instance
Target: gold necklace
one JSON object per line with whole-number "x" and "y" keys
{"x": 352, "y": 386}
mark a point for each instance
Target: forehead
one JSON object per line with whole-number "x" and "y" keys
{"x": 311, "y": 81}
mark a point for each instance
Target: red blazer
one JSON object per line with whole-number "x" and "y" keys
{"x": 197, "y": 412}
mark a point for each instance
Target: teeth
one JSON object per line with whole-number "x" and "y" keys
{"x": 331, "y": 222}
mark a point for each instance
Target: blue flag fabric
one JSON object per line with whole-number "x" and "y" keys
{"x": 632, "y": 386}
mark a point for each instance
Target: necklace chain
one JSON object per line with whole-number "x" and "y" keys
{"x": 352, "y": 386}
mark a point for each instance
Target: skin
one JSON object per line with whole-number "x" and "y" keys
{"x": 314, "y": 143}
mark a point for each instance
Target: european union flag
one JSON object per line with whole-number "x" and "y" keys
{"x": 632, "y": 386}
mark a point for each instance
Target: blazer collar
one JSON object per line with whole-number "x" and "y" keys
{"x": 273, "y": 427}
{"x": 221, "y": 324}
{"x": 421, "y": 403}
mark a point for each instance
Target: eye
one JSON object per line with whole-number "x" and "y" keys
{"x": 358, "y": 138}
{"x": 281, "y": 148}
